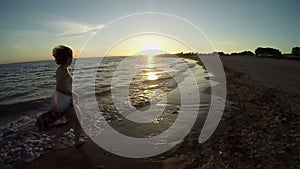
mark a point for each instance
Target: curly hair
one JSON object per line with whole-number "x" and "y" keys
{"x": 61, "y": 53}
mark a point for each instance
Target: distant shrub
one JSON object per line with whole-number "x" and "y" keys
{"x": 268, "y": 52}
{"x": 296, "y": 51}
{"x": 248, "y": 53}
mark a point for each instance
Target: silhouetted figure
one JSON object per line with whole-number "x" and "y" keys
{"x": 64, "y": 99}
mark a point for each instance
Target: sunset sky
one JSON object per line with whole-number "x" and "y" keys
{"x": 30, "y": 29}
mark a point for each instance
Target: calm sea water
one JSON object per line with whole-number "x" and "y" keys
{"x": 28, "y": 87}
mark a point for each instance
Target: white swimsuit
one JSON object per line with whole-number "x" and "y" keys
{"x": 60, "y": 101}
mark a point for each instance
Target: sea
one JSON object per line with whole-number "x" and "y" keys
{"x": 26, "y": 90}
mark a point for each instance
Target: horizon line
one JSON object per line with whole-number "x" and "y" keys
{"x": 191, "y": 52}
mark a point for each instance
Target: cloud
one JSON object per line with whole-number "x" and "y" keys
{"x": 56, "y": 28}
{"x": 85, "y": 32}
{"x": 72, "y": 29}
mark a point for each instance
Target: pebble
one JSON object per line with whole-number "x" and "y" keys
{"x": 99, "y": 167}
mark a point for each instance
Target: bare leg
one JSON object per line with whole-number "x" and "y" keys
{"x": 72, "y": 122}
{"x": 77, "y": 131}
{"x": 77, "y": 126}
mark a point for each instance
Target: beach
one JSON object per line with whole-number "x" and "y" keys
{"x": 277, "y": 73}
{"x": 257, "y": 131}
{"x": 260, "y": 125}
{"x": 260, "y": 121}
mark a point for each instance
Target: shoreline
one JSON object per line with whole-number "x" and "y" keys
{"x": 106, "y": 159}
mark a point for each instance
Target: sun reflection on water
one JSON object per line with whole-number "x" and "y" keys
{"x": 150, "y": 61}
{"x": 151, "y": 76}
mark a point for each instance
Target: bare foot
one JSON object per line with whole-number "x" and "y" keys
{"x": 61, "y": 120}
{"x": 80, "y": 142}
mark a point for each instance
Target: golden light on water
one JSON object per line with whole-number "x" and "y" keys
{"x": 151, "y": 65}
{"x": 151, "y": 76}
{"x": 150, "y": 61}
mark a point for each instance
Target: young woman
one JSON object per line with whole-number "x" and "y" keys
{"x": 64, "y": 99}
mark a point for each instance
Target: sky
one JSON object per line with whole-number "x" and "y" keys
{"x": 30, "y": 29}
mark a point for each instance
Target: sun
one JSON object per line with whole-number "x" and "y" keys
{"x": 150, "y": 48}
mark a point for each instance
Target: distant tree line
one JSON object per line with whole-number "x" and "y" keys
{"x": 267, "y": 52}
{"x": 248, "y": 53}
{"x": 275, "y": 53}
{"x": 189, "y": 55}
{"x": 296, "y": 51}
